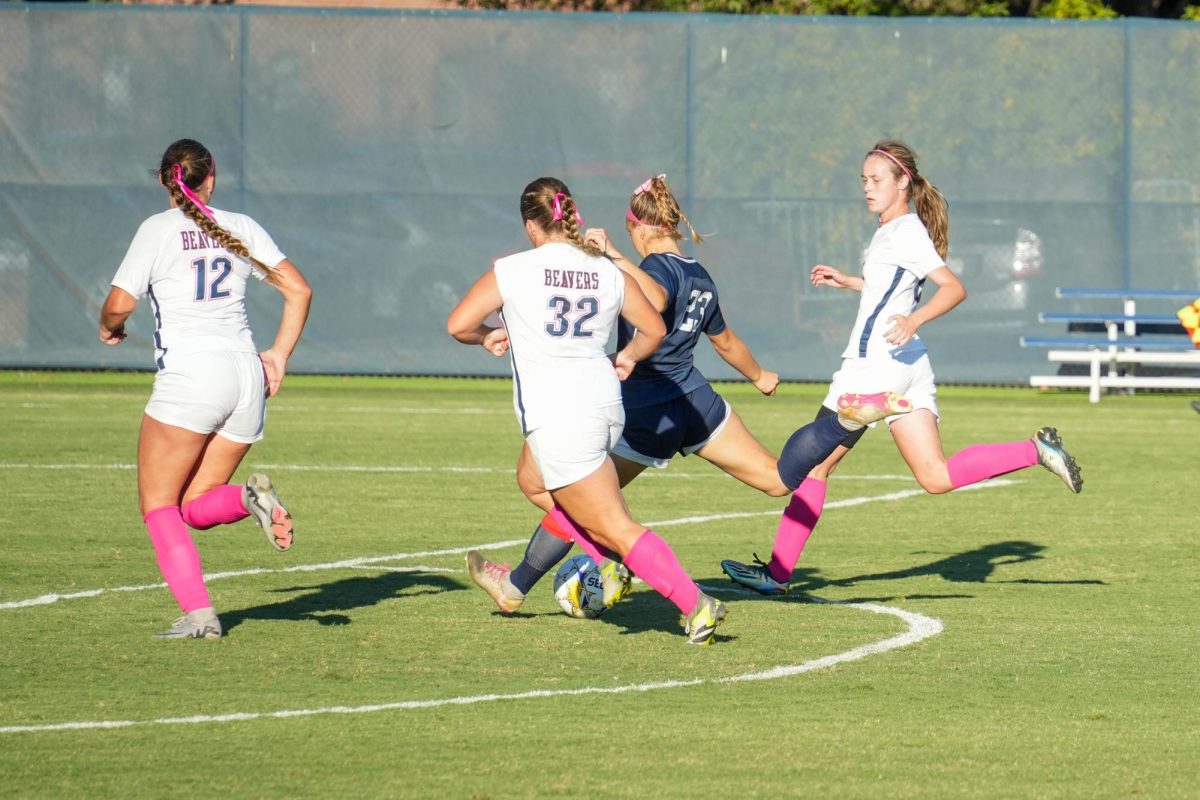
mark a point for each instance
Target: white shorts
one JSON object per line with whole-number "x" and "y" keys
{"x": 212, "y": 392}
{"x": 567, "y": 452}
{"x": 911, "y": 377}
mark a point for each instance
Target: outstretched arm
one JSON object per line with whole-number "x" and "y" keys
{"x": 654, "y": 291}
{"x": 825, "y": 275}
{"x": 736, "y": 353}
{"x": 297, "y": 299}
{"x": 651, "y": 329}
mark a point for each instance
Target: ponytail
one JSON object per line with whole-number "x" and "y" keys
{"x": 187, "y": 162}
{"x": 934, "y": 213}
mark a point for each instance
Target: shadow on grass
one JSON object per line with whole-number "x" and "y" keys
{"x": 972, "y": 566}
{"x": 343, "y": 595}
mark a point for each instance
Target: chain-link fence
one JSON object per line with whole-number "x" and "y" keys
{"x": 385, "y": 152}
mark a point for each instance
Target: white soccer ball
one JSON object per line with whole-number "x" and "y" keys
{"x": 579, "y": 588}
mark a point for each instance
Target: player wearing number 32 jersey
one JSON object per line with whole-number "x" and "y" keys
{"x": 560, "y": 307}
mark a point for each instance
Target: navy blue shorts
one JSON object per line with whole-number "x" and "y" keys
{"x": 654, "y": 434}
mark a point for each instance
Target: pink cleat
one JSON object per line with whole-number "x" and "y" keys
{"x": 867, "y": 408}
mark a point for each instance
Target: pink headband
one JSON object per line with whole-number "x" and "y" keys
{"x": 558, "y": 209}
{"x": 189, "y": 194}
{"x": 629, "y": 215}
{"x": 911, "y": 179}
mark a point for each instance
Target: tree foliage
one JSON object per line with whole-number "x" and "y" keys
{"x": 1055, "y": 9}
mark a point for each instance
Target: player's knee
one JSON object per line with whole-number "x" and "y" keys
{"x": 777, "y": 490}
{"x": 934, "y": 484}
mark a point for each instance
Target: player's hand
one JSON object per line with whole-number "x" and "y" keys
{"x": 767, "y": 382}
{"x": 274, "y": 367}
{"x": 496, "y": 342}
{"x": 598, "y": 238}
{"x": 623, "y": 364}
{"x": 901, "y": 331}
{"x": 825, "y": 275}
{"x": 112, "y": 337}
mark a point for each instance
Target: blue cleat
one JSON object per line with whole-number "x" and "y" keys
{"x": 755, "y": 577}
{"x": 1054, "y": 457}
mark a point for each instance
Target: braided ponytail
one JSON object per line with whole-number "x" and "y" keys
{"x": 187, "y": 162}
{"x": 654, "y": 204}
{"x": 548, "y": 203}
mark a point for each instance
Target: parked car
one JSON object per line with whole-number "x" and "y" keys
{"x": 999, "y": 261}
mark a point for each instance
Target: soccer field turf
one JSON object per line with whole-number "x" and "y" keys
{"x": 1014, "y": 640}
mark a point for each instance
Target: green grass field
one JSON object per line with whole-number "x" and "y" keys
{"x": 1065, "y": 666}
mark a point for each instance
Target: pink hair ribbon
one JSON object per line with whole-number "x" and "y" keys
{"x": 558, "y": 209}
{"x": 189, "y": 194}
{"x": 648, "y": 183}
{"x": 898, "y": 164}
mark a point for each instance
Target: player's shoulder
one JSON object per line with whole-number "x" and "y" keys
{"x": 235, "y": 221}
{"x": 909, "y": 226}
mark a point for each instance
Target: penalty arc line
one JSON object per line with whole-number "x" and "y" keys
{"x": 920, "y": 627}
{"x": 356, "y": 563}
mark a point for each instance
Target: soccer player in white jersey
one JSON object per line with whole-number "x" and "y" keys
{"x": 670, "y": 407}
{"x": 209, "y": 399}
{"x": 885, "y": 350}
{"x": 559, "y": 302}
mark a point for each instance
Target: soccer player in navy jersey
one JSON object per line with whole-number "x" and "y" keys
{"x": 670, "y": 407}
{"x": 884, "y": 349}
{"x": 559, "y": 302}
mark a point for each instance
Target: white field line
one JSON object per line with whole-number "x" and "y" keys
{"x": 369, "y": 468}
{"x": 920, "y": 627}
{"x": 355, "y": 563}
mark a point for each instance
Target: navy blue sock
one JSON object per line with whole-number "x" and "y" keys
{"x": 808, "y": 447}
{"x": 541, "y": 554}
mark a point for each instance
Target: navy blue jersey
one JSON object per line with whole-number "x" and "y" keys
{"x": 692, "y": 310}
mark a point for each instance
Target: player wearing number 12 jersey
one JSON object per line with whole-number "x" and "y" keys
{"x": 209, "y": 399}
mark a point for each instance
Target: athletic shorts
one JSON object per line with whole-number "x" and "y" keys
{"x": 567, "y": 452}
{"x": 212, "y": 392}
{"x": 911, "y": 377}
{"x": 654, "y": 434}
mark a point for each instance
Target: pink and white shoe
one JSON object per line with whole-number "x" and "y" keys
{"x": 867, "y": 408}
{"x": 493, "y": 579}
{"x": 264, "y": 505}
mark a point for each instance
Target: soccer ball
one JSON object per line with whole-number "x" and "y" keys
{"x": 579, "y": 588}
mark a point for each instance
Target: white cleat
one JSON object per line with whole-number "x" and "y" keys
{"x": 184, "y": 628}
{"x": 264, "y": 505}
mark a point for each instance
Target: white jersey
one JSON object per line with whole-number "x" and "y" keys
{"x": 197, "y": 287}
{"x": 560, "y": 308}
{"x": 899, "y": 257}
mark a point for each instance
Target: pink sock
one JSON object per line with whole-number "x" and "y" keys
{"x": 558, "y": 518}
{"x": 218, "y": 506}
{"x": 982, "y": 461}
{"x": 652, "y": 560}
{"x": 797, "y": 522}
{"x": 178, "y": 559}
